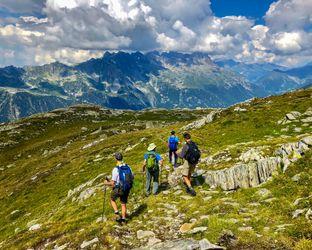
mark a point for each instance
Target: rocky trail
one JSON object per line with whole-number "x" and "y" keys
{"x": 171, "y": 228}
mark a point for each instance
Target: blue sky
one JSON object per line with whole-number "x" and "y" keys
{"x": 255, "y": 9}
{"x": 36, "y": 32}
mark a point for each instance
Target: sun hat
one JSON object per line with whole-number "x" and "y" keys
{"x": 151, "y": 147}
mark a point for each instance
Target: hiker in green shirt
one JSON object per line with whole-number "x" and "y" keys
{"x": 151, "y": 165}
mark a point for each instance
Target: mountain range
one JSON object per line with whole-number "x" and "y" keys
{"x": 137, "y": 81}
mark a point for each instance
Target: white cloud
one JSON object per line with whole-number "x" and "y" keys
{"x": 33, "y": 19}
{"x": 287, "y": 42}
{"x": 289, "y": 15}
{"x": 74, "y": 30}
{"x": 65, "y": 55}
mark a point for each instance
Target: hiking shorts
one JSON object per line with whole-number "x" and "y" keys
{"x": 118, "y": 193}
{"x": 188, "y": 168}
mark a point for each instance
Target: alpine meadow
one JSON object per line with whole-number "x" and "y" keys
{"x": 156, "y": 125}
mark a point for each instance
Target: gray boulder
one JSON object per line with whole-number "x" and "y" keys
{"x": 293, "y": 115}
{"x": 35, "y": 227}
{"x": 252, "y": 154}
{"x": 175, "y": 177}
{"x": 264, "y": 193}
{"x": 203, "y": 121}
{"x": 297, "y": 213}
{"x": 86, "y": 244}
{"x": 308, "y": 215}
{"x": 204, "y": 244}
{"x": 145, "y": 234}
{"x": 307, "y": 120}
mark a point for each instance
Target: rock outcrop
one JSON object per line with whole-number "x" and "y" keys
{"x": 85, "y": 190}
{"x": 203, "y": 121}
{"x": 255, "y": 173}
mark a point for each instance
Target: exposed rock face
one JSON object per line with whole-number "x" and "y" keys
{"x": 149, "y": 124}
{"x": 85, "y": 190}
{"x": 203, "y": 121}
{"x": 243, "y": 175}
{"x": 255, "y": 173}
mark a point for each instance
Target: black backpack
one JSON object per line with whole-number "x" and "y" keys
{"x": 193, "y": 153}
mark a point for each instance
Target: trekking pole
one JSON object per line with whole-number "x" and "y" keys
{"x": 143, "y": 183}
{"x": 104, "y": 201}
{"x": 160, "y": 175}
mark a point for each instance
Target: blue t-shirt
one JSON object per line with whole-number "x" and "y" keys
{"x": 175, "y": 138}
{"x": 158, "y": 157}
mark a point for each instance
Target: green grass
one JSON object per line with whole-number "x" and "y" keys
{"x": 72, "y": 222}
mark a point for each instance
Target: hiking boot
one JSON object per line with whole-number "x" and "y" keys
{"x": 121, "y": 220}
{"x": 191, "y": 191}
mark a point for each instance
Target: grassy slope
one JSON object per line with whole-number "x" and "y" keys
{"x": 40, "y": 199}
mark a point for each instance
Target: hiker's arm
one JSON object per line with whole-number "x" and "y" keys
{"x": 144, "y": 165}
{"x": 183, "y": 152}
{"x": 109, "y": 183}
{"x": 161, "y": 162}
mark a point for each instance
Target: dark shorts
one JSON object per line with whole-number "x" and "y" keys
{"x": 118, "y": 193}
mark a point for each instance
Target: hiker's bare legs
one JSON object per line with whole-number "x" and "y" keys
{"x": 187, "y": 181}
{"x": 123, "y": 211}
{"x": 114, "y": 205}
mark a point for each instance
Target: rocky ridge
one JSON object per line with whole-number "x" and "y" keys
{"x": 259, "y": 171}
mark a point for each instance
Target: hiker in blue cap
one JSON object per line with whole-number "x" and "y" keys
{"x": 173, "y": 142}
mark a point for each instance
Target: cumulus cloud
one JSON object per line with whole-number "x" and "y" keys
{"x": 289, "y": 15}
{"x": 75, "y": 30}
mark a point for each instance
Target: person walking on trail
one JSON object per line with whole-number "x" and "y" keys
{"x": 121, "y": 183}
{"x": 151, "y": 165}
{"x": 173, "y": 142}
{"x": 191, "y": 155}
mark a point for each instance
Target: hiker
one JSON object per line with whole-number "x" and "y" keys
{"x": 173, "y": 142}
{"x": 121, "y": 182}
{"x": 151, "y": 165}
{"x": 191, "y": 155}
